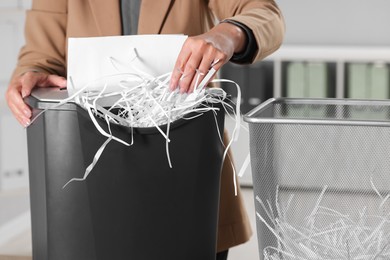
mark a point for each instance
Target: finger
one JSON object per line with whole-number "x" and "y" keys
{"x": 190, "y": 72}
{"x": 203, "y": 68}
{"x": 44, "y": 80}
{"x": 215, "y": 64}
{"x": 19, "y": 109}
{"x": 199, "y": 76}
{"x": 56, "y": 81}
{"x": 21, "y": 87}
{"x": 34, "y": 79}
{"x": 178, "y": 70}
{"x": 29, "y": 81}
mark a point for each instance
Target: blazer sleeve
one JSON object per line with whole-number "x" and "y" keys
{"x": 45, "y": 38}
{"x": 262, "y": 17}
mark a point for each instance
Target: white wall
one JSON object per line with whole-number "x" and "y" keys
{"x": 15, "y": 228}
{"x": 13, "y": 148}
{"x": 336, "y": 22}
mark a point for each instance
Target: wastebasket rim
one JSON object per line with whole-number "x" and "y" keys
{"x": 255, "y": 116}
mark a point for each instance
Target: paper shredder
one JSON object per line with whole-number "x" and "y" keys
{"x": 132, "y": 205}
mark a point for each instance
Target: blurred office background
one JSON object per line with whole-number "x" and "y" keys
{"x": 15, "y": 238}
{"x": 332, "y": 48}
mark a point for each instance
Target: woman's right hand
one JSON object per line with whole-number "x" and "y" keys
{"x": 21, "y": 87}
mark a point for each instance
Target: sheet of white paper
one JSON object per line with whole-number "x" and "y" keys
{"x": 96, "y": 59}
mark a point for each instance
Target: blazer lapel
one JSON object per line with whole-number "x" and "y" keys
{"x": 152, "y": 15}
{"x": 107, "y": 16}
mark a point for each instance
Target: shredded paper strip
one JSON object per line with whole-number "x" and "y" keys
{"x": 366, "y": 237}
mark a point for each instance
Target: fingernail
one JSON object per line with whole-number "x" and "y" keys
{"x": 64, "y": 83}
{"x": 26, "y": 122}
{"x": 27, "y": 112}
{"x": 172, "y": 87}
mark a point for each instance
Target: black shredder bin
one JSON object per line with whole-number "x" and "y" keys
{"x": 132, "y": 205}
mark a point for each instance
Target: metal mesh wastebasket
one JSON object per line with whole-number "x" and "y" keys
{"x": 321, "y": 176}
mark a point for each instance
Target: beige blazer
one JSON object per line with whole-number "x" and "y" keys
{"x": 49, "y": 23}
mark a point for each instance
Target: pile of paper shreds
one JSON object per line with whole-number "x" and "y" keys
{"x": 146, "y": 101}
{"x": 342, "y": 238}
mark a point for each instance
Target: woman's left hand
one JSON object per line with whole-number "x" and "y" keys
{"x": 200, "y": 53}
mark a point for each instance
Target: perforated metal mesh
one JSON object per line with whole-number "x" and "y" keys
{"x": 321, "y": 168}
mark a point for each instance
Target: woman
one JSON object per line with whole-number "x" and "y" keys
{"x": 242, "y": 31}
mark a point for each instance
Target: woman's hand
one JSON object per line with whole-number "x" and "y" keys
{"x": 200, "y": 53}
{"x": 21, "y": 87}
